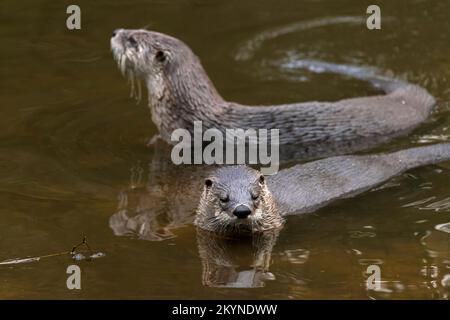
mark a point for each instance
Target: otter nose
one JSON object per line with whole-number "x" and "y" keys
{"x": 242, "y": 211}
{"x": 116, "y": 32}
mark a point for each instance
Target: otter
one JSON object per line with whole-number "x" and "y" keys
{"x": 238, "y": 200}
{"x": 240, "y": 213}
{"x": 180, "y": 93}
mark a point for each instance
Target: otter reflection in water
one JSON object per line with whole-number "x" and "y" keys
{"x": 168, "y": 201}
{"x": 235, "y": 261}
{"x": 236, "y": 201}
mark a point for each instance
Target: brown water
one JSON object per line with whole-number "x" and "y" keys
{"x": 73, "y": 152}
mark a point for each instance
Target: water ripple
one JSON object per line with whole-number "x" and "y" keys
{"x": 444, "y": 227}
{"x": 438, "y": 206}
{"x": 248, "y": 49}
{"x": 296, "y": 256}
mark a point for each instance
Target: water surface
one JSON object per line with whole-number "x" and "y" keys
{"x": 73, "y": 151}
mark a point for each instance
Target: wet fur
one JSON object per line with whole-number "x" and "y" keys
{"x": 180, "y": 92}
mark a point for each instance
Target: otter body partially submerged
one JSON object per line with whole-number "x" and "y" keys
{"x": 180, "y": 93}
{"x": 236, "y": 199}
{"x": 300, "y": 189}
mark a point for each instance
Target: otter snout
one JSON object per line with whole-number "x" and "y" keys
{"x": 125, "y": 38}
{"x": 119, "y": 35}
{"x": 242, "y": 211}
{"x": 115, "y": 32}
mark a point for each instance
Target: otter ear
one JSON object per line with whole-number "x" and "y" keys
{"x": 261, "y": 179}
{"x": 160, "y": 56}
{"x": 208, "y": 183}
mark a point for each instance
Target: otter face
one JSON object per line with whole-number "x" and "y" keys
{"x": 148, "y": 55}
{"x": 145, "y": 52}
{"x": 236, "y": 199}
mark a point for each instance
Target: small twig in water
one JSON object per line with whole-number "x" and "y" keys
{"x": 76, "y": 255}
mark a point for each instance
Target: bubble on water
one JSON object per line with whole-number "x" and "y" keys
{"x": 78, "y": 257}
{"x": 97, "y": 255}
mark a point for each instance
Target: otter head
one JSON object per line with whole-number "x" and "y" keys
{"x": 236, "y": 200}
{"x": 167, "y": 65}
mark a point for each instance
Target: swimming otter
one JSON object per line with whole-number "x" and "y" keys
{"x": 180, "y": 92}
{"x": 238, "y": 200}
{"x": 242, "y": 258}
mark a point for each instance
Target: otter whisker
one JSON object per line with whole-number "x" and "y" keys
{"x": 122, "y": 64}
{"x": 128, "y": 72}
{"x": 146, "y": 26}
{"x": 119, "y": 57}
{"x": 139, "y": 91}
{"x": 252, "y": 222}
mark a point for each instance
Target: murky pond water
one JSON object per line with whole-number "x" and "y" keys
{"x": 74, "y": 160}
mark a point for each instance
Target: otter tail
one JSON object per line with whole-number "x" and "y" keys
{"x": 396, "y": 88}
{"x": 315, "y": 184}
{"x": 421, "y": 156}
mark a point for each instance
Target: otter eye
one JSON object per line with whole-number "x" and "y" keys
{"x": 208, "y": 183}
{"x": 261, "y": 179}
{"x": 160, "y": 56}
{"x": 132, "y": 41}
{"x": 224, "y": 199}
